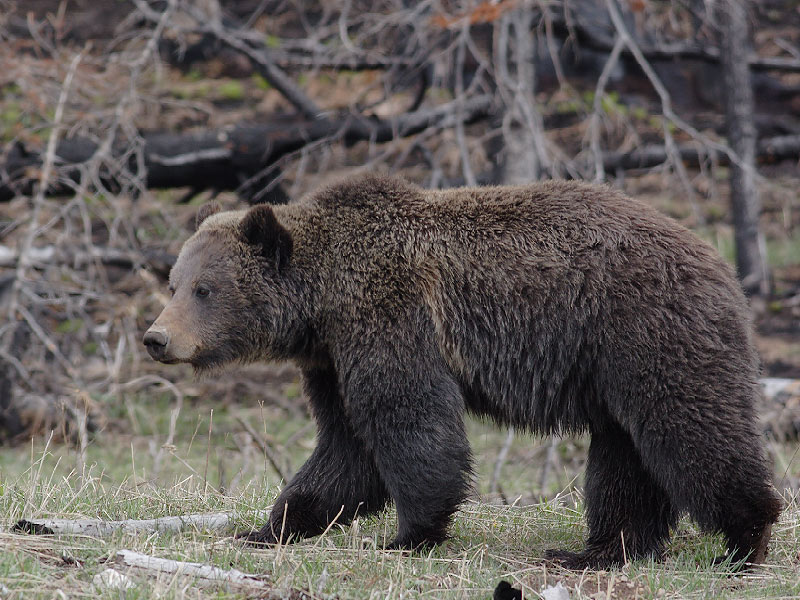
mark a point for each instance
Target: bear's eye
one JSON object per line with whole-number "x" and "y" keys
{"x": 171, "y": 290}
{"x": 202, "y": 291}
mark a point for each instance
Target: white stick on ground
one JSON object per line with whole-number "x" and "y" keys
{"x": 201, "y": 573}
{"x": 100, "y": 528}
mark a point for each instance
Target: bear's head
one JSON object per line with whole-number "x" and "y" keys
{"x": 232, "y": 293}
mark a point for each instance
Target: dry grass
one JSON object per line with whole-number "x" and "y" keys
{"x": 489, "y": 541}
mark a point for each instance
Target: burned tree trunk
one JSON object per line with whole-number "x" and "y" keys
{"x": 745, "y": 203}
{"x": 244, "y": 157}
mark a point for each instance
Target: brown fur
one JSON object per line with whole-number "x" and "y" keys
{"x": 555, "y": 307}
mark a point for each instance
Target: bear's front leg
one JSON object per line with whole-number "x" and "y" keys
{"x": 411, "y": 419}
{"x": 338, "y": 481}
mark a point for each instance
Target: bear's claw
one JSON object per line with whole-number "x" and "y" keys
{"x": 578, "y": 561}
{"x": 258, "y": 537}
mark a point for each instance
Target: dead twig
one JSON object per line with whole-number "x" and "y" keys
{"x": 173, "y": 418}
{"x": 549, "y": 463}
{"x": 265, "y": 448}
{"x": 494, "y": 483}
{"x": 44, "y": 182}
{"x": 594, "y": 123}
{"x": 466, "y": 166}
{"x": 201, "y": 574}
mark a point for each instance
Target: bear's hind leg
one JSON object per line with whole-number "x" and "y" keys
{"x": 715, "y": 469}
{"x": 744, "y": 512}
{"x": 747, "y": 514}
{"x": 628, "y": 513}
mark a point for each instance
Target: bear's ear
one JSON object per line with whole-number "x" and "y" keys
{"x": 259, "y": 227}
{"x": 205, "y": 211}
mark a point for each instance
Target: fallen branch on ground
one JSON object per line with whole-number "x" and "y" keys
{"x": 160, "y": 262}
{"x": 100, "y": 528}
{"x": 200, "y": 573}
{"x": 597, "y": 37}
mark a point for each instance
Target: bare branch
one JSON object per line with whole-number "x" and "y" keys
{"x": 599, "y": 92}
{"x": 494, "y": 483}
{"x": 272, "y": 73}
{"x": 44, "y": 182}
{"x": 265, "y": 448}
{"x": 466, "y": 166}
{"x": 201, "y": 574}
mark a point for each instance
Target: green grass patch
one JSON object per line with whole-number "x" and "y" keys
{"x": 69, "y": 326}
{"x": 231, "y": 90}
{"x": 781, "y": 251}
{"x": 784, "y": 251}
{"x": 260, "y": 82}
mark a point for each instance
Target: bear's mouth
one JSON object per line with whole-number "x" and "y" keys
{"x": 206, "y": 360}
{"x": 203, "y": 360}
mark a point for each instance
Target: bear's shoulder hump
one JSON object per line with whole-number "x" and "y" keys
{"x": 367, "y": 191}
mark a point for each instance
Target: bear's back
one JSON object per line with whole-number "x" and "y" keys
{"x": 530, "y": 287}
{"x": 550, "y": 213}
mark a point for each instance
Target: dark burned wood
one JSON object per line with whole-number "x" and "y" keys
{"x": 25, "y": 526}
{"x": 203, "y": 161}
{"x": 10, "y": 423}
{"x": 768, "y": 150}
{"x": 156, "y": 260}
{"x": 242, "y": 158}
{"x": 588, "y": 24}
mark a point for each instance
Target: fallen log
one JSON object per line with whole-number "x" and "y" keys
{"x": 201, "y": 574}
{"x": 159, "y": 261}
{"x": 242, "y": 158}
{"x": 591, "y": 28}
{"x": 100, "y": 528}
{"x": 768, "y": 150}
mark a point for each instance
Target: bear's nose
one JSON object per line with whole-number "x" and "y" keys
{"x": 156, "y": 342}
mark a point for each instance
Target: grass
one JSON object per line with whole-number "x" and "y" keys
{"x": 219, "y": 471}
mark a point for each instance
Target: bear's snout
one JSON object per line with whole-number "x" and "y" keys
{"x": 156, "y": 341}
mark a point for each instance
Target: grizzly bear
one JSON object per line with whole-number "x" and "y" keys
{"x": 557, "y": 307}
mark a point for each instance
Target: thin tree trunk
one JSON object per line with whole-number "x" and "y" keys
{"x": 525, "y": 153}
{"x": 746, "y": 206}
{"x": 522, "y": 162}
